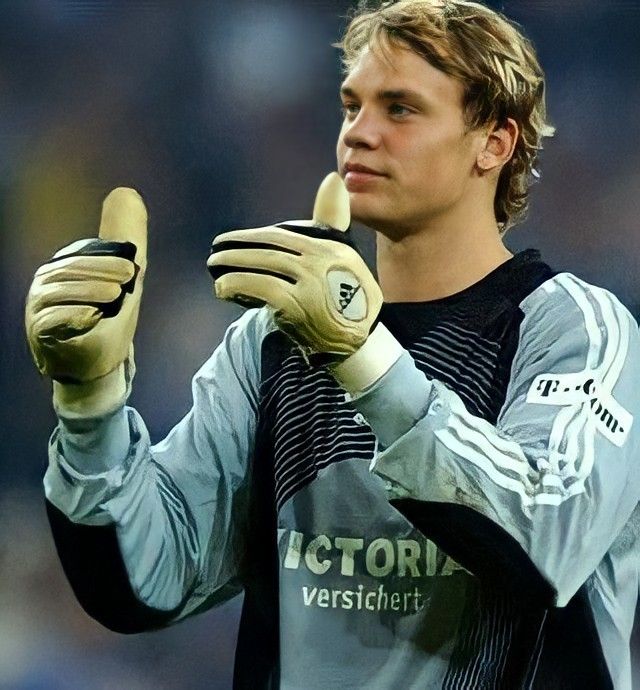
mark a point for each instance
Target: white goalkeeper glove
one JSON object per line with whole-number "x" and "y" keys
{"x": 309, "y": 272}
{"x": 82, "y": 310}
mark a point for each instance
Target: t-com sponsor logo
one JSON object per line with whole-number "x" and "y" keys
{"x": 611, "y": 419}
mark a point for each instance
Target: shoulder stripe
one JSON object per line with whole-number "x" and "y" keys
{"x": 561, "y": 470}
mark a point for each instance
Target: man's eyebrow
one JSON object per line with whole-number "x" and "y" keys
{"x": 387, "y": 94}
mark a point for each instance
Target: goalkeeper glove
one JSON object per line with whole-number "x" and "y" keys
{"x": 82, "y": 310}
{"x": 309, "y": 272}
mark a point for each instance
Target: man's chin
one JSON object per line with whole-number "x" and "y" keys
{"x": 364, "y": 213}
{"x": 364, "y": 208}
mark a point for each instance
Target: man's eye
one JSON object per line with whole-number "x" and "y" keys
{"x": 348, "y": 109}
{"x": 401, "y": 110}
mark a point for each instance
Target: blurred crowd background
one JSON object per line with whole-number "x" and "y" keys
{"x": 223, "y": 115}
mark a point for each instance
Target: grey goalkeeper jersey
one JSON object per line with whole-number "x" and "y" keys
{"x": 470, "y": 521}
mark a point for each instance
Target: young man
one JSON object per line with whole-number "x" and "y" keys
{"x": 425, "y": 481}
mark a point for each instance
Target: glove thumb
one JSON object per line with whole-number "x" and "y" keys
{"x": 331, "y": 207}
{"x": 124, "y": 219}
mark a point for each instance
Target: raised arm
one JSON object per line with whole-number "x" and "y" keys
{"x": 535, "y": 501}
{"x": 146, "y": 534}
{"x": 157, "y": 533}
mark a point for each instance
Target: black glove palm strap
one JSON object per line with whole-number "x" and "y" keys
{"x": 99, "y": 247}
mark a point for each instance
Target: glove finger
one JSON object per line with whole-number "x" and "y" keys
{"x": 124, "y": 219}
{"x": 271, "y": 260}
{"x": 331, "y": 207}
{"x": 76, "y": 292}
{"x": 63, "y": 321}
{"x": 240, "y": 287}
{"x": 285, "y": 240}
{"x": 108, "y": 268}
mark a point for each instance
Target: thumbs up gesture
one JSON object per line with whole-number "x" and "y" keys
{"x": 309, "y": 272}
{"x": 82, "y": 308}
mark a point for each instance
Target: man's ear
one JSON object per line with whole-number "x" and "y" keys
{"x": 499, "y": 146}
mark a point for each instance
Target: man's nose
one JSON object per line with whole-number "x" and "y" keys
{"x": 362, "y": 132}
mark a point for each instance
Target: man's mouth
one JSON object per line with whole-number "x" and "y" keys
{"x": 359, "y": 168}
{"x": 359, "y": 178}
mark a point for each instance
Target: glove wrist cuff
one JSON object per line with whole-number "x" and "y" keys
{"x": 98, "y": 398}
{"x": 371, "y": 362}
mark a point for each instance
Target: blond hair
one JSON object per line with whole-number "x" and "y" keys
{"x": 489, "y": 55}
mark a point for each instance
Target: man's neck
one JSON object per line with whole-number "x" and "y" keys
{"x": 437, "y": 261}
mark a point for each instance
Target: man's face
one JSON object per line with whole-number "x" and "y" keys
{"x": 405, "y": 121}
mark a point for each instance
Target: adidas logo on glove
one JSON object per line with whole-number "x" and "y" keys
{"x": 347, "y": 294}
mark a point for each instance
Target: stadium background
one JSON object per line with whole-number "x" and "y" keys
{"x": 224, "y": 114}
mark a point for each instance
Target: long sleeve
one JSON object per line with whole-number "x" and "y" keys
{"x": 535, "y": 501}
{"x": 148, "y": 534}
